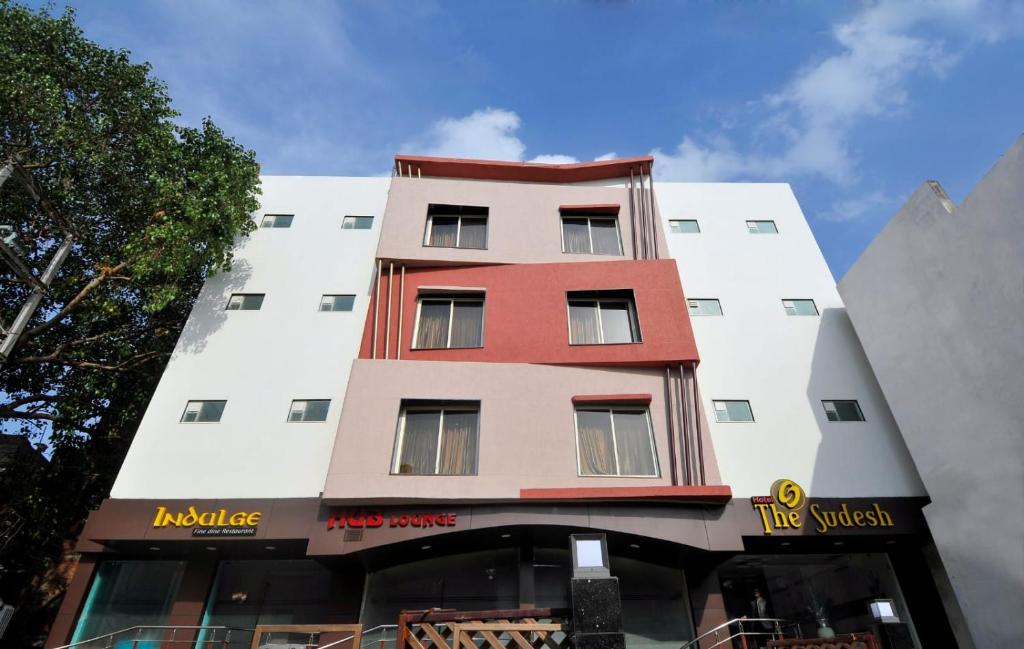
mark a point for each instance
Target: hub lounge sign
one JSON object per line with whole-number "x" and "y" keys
{"x": 217, "y": 522}
{"x": 789, "y": 509}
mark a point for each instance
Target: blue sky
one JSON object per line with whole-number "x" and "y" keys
{"x": 854, "y": 104}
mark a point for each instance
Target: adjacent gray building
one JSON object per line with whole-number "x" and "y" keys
{"x": 937, "y": 300}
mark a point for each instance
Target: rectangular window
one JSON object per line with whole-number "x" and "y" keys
{"x": 277, "y": 220}
{"x": 705, "y": 306}
{"x": 591, "y": 235}
{"x": 456, "y": 226}
{"x": 309, "y": 410}
{"x": 337, "y": 302}
{"x": 203, "y": 411}
{"x": 449, "y": 322}
{"x": 848, "y": 410}
{"x": 733, "y": 411}
{"x": 762, "y": 227}
{"x": 437, "y": 438}
{"x": 245, "y": 301}
{"x": 615, "y": 441}
{"x": 357, "y": 223}
{"x": 602, "y": 318}
{"x": 800, "y": 307}
{"x": 683, "y": 226}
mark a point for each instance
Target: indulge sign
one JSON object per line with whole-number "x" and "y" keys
{"x": 218, "y": 522}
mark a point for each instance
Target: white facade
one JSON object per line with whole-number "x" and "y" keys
{"x": 259, "y": 361}
{"x": 783, "y": 365}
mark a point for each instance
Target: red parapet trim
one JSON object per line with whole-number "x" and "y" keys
{"x": 417, "y": 166}
{"x": 612, "y": 398}
{"x": 601, "y": 208}
{"x": 704, "y": 494}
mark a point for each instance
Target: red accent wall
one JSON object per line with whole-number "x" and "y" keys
{"x": 525, "y": 316}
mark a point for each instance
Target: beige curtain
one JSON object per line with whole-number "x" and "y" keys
{"x": 575, "y": 235}
{"x": 583, "y": 323}
{"x": 605, "y": 236}
{"x": 633, "y": 442}
{"x": 467, "y": 325}
{"x": 595, "y": 442}
{"x": 458, "y": 443}
{"x": 444, "y": 231}
{"x": 433, "y": 326}
{"x": 419, "y": 443}
{"x": 474, "y": 233}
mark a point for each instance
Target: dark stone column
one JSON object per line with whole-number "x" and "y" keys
{"x": 597, "y": 614}
{"x": 64, "y": 624}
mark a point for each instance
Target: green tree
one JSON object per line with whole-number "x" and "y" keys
{"x": 153, "y": 208}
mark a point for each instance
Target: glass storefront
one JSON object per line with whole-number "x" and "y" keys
{"x": 126, "y": 594}
{"x": 822, "y": 594}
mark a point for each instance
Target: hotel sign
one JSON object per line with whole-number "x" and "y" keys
{"x": 218, "y": 522}
{"x": 788, "y": 508}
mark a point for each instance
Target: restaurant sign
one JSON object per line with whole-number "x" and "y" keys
{"x": 218, "y": 522}
{"x": 789, "y": 508}
{"x": 371, "y": 519}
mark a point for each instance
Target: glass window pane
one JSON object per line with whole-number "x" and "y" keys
{"x": 433, "y": 324}
{"x": 843, "y": 411}
{"x": 444, "y": 231}
{"x": 739, "y": 411}
{"x": 617, "y": 323}
{"x": 583, "y": 323}
{"x": 467, "y": 327}
{"x": 800, "y": 307}
{"x": 211, "y": 410}
{"x": 762, "y": 227}
{"x": 341, "y": 302}
{"x": 419, "y": 443}
{"x": 605, "y": 236}
{"x": 575, "y": 236}
{"x": 458, "y": 443}
{"x": 129, "y": 593}
{"x": 357, "y": 223}
{"x": 633, "y": 441}
{"x": 594, "y": 432}
{"x": 704, "y": 307}
{"x": 679, "y": 226}
{"x": 316, "y": 410}
{"x": 473, "y": 233}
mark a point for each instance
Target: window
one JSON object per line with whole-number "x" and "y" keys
{"x": 199, "y": 412}
{"x": 848, "y": 410}
{"x": 357, "y": 223}
{"x": 602, "y": 318}
{"x": 683, "y": 226}
{"x": 733, "y": 411}
{"x": 245, "y": 301}
{"x": 592, "y": 235}
{"x": 800, "y": 307}
{"x": 277, "y": 220}
{"x": 704, "y": 307}
{"x": 762, "y": 227}
{"x": 615, "y": 441}
{"x": 456, "y": 226}
{"x": 309, "y": 410}
{"x": 337, "y": 302}
{"x": 449, "y": 322}
{"x": 437, "y": 438}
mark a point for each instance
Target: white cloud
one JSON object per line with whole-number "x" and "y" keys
{"x": 554, "y": 159}
{"x": 855, "y": 208}
{"x": 607, "y": 156}
{"x": 804, "y": 128}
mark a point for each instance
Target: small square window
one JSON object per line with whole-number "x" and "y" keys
{"x": 704, "y": 306}
{"x": 277, "y": 220}
{"x": 602, "y": 318}
{"x": 683, "y": 226}
{"x": 203, "y": 412}
{"x": 762, "y": 227}
{"x": 733, "y": 411}
{"x": 456, "y": 226}
{"x": 437, "y": 438}
{"x": 337, "y": 302}
{"x": 309, "y": 410}
{"x": 848, "y": 410}
{"x": 800, "y": 307}
{"x": 245, "y": 301}
{"x": 357, "y": 223}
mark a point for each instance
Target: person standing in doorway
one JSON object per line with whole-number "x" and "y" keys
{"x": 759, "y": 609}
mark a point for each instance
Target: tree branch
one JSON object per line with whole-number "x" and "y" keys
{"x": 72, "y": 304}
{"x": 93, "y": 365}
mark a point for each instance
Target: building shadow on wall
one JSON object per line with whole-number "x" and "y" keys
{"x": 211, "y": 307}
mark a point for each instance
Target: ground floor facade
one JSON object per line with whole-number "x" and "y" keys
{"x": 684, "y": 567}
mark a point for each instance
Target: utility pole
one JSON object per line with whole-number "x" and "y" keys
{"x": 11, "y": 257}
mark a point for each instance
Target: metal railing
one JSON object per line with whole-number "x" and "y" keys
{"x": 143, "y": 637}
{"x": 752, "y": 628}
